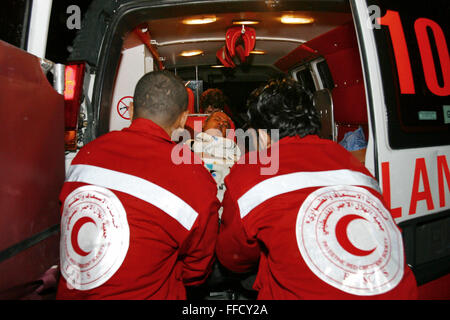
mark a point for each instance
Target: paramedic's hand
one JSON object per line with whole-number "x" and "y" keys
{"x": 198, "y": 250}
{"x": 234, "y": 249}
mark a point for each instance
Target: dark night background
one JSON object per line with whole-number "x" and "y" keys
{"x": 60, "y": 38}
{"x": 14, "y": 26}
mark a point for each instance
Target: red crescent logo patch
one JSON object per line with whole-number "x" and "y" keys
{"x": 349, "y": 240}
{"x": 94, "y": 237}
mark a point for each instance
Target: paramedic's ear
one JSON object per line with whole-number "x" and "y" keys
{"x": 131, "y": 110}
{"x": 178, "y": 124}
{"x": 183, "y": 118}
{"x": 264, "y": 140}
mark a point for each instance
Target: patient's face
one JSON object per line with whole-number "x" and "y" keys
{"x": 217, "y": 124}
{"x": 211, "y": 109}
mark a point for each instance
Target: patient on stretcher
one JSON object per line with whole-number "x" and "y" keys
{"x": 218, "y": 151}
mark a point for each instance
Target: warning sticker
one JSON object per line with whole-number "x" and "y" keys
{"x": 123, "y": 107}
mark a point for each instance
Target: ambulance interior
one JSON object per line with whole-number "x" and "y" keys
{"x": 317, "y": 48}
{"x": 315, "y": 42}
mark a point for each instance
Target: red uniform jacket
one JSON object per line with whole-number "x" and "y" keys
{"x": 134, "y": 224}
{"x": 318, "y": 227}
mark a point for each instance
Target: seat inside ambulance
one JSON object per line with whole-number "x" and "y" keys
{"x": 195, "y": 120}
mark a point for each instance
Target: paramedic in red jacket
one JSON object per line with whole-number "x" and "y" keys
{"x": 318, "y": 227}
{"x": 134, "y": 224}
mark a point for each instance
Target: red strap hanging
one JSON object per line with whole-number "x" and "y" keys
{"x": 248, "y": 35}
{"x": 146, "y": 39}
{"x": 224, "y": 57}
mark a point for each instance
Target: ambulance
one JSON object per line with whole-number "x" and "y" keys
{"x": 379, "y": 69}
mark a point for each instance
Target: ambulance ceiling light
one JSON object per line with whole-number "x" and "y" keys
{"x": 245, "y": 22}
{"x": 292, "y": 19}
{"x": 257, "y": 51}
{"x": 200, "y": 20}
{"x": 191, "y": 53}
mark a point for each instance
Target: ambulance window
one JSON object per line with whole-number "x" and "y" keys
{"x": 412, "y": 44}
{"x": 325, "y": 75}
{"x": 14, "y": 19}
{"x": 305, "y": 78}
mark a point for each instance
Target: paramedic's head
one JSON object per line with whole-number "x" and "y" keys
{"x": 217, "y": 124}
{"x": 283, "y": 104}
{"x": 212, "y": 100}
{"x": 161, "y": 97}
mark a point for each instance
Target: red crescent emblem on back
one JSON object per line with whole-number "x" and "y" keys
{"x": 74, "y": 236}
{"x": 342, "y": 236}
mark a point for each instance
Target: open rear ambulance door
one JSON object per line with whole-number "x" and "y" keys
{"x": 31, "y": 171}
{"x": 406, "y": 65}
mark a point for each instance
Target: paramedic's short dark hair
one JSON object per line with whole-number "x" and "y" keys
{"x": 160, "y": 95}
{"x": 283, "y": 104}
{"x": 213, "y": 97}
